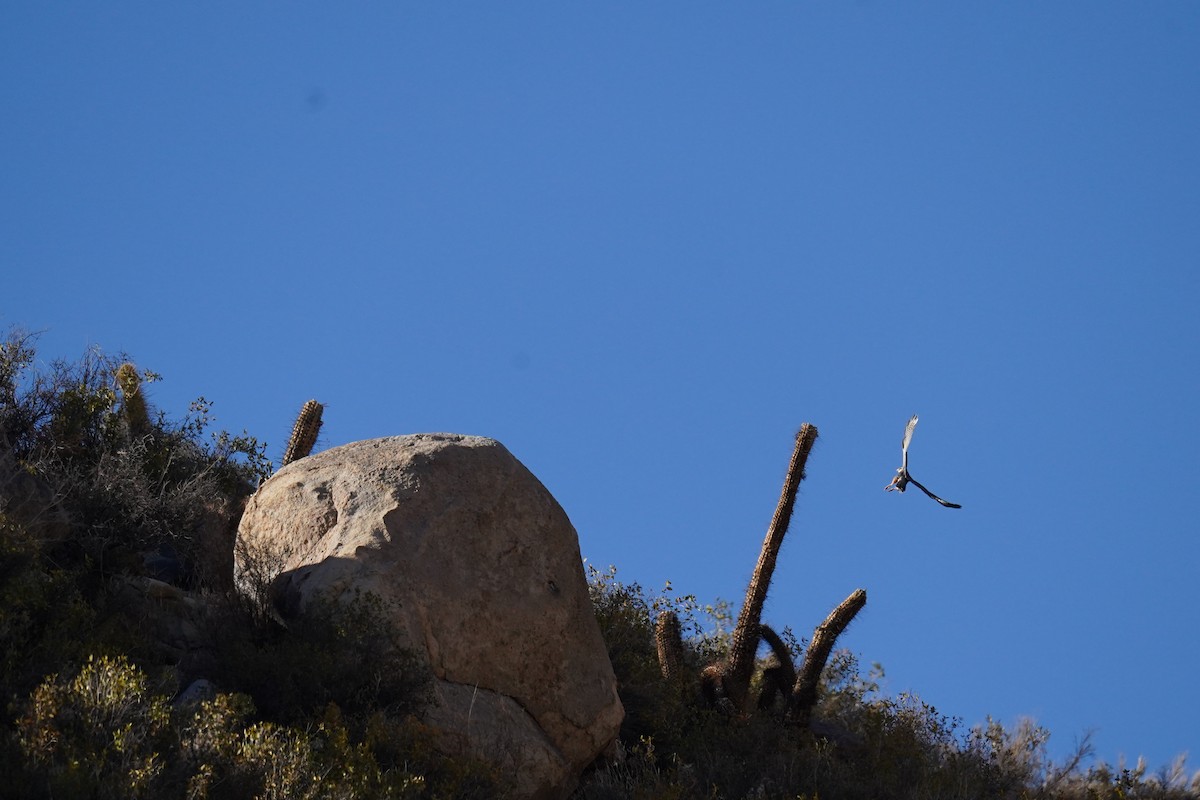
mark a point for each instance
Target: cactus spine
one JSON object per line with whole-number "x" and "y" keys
{"x": 133, "y": 401}
{"x": 804, "y": 695}
{"x": 304, "y": 432}
{"x": 735, "y": 674}
{"x": 668, "y": 638}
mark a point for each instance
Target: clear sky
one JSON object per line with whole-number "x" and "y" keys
{"x": 640, "y": 244}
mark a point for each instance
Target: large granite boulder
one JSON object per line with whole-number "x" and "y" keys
{"x": 485, "y": 569}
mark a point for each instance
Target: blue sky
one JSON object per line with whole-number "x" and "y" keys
{"x": 641, "y": 243}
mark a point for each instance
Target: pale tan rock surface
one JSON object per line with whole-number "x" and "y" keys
{"x": 486, "y": 571}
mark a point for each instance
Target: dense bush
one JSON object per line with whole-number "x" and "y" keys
{"x": 126, "y": 485}
{"x": 104, "y": 734}
{"x": 101, "y": 731}
{"x": 109, "y": 730}
{"x": 95, "y": 495}
{"x": 347, "y": 654}
{"x": 861, "y": 743}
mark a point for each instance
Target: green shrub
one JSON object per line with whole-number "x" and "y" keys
{"x": 105, "y": 734}
{"x": 99, "y": 733}
{"x": 347, "y": 653}
{"x": 862, "y": 744}
{"x": 125, "y": 489}
{"x": 627, "y": 619}
{"x": 44, "y": 618}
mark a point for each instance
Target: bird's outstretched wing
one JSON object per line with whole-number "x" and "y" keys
{"x": 908, "y": 432}
{"x": 946, "y": 503}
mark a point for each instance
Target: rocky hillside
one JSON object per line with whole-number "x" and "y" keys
{"x": 136, "y": 661}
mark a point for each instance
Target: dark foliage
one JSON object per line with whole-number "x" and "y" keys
{"x": 94, "y": 501}
{"x": 861, "y": 744}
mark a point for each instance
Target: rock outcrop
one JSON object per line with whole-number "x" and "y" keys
{"x": 484, "y": 568}
{"x": 176, "y": 620}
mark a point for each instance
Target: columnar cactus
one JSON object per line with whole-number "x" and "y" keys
{"x": 133, "y": 401}
{"x": 669, "y": 640}
{"x": 304, "y": 432}
{"x": 804, "y": 695}
{"x": 725, "y": 684}
{"x": 734, "y": 675}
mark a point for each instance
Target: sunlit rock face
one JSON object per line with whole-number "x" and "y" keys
{"x": 484, "y": 569}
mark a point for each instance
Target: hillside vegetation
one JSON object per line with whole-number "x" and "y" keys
{"x": 116, "y": 596}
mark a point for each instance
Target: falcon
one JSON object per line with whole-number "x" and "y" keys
{"x": 903, "y": 479}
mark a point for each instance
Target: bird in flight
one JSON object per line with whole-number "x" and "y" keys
{"x": 902, "y": 479}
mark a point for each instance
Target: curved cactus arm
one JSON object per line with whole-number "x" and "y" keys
{"x": 804, "y": 695}
{"x": 779, "y": 678}
{"x": 304, "y": 432}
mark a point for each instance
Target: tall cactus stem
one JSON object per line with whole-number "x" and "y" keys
{"x": 804, "y": 696}
{"x": 740, "y": 667}
{"x": 304, "y": 432}
{"x": 668, "y": 637}
{"x": 133, "y": 400}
